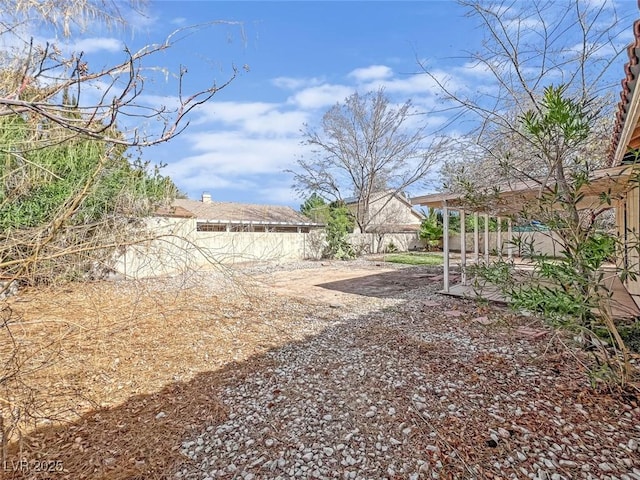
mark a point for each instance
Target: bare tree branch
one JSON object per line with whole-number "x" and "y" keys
{"x": 365, "y": 146}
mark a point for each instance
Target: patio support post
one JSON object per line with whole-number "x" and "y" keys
{"x": 499, "y": 237}
{"x": 509, "y": 239}
{"x": 476, "y": 238}
{"x": 486, "y": 239}
{"x": 463, "y": 248}
{"x": 445, "y": 244}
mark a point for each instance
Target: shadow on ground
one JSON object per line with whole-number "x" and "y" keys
{"x": 141, "y": 438}
{"x": 386, "y": 284}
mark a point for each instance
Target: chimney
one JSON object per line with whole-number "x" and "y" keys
{"x": 206, "y": 197}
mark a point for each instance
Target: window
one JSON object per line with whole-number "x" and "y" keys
{"x": 211, "y": 227}
{"x": 284, "y": 229}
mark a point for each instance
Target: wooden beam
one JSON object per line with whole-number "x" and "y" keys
{"x": 509, "y": 239}
{"x": 445, "y": 244}
{"x": 476, "y": 238}
{"x": 499, "y": 237}
{"x": 486, "y": 239}
{"x": 463, "y": 248}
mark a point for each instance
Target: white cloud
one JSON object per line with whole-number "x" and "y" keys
{"x": 254, "y": 117}
{"x": 236, "y": 153}
{"x": 373, "y": 72}
{"x": 276, "y": 123}
{"x": 293, "y": 83}
{"x": 280, "y": 194}
{"x": 95, "y": 44}
{"x": 321, "y": 96}
{"x": 210, "y": 182}
{"x": 235, "y": 112}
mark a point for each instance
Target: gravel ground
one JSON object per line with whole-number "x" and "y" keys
{"x": 420, "y": 386}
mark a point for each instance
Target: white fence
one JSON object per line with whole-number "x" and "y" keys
{"x": 177, "y": 246}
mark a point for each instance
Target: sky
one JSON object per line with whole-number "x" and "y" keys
{"x": 295, "y": 60}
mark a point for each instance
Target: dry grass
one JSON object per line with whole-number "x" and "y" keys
{"x": 132, "y": 365}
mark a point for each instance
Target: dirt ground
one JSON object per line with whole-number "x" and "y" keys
{"x": 341, "y": 283}
{"x": 112, "y": 377}
{"x": 80, "y": 351}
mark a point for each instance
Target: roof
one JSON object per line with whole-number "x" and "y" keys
{"x": 379, "y": 194}
{"x": 510, "y": 199}
{"x": 218, "y": 212}
{"x": 626, "y": 132}
{"x": 174, "y": 211}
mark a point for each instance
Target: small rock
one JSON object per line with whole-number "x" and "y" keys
{"x": 605, "y": 467}
{"x": 160, "y": 415}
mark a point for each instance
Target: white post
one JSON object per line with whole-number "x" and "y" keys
{"x": 445, "y": 244}
{"x": 486, "y": 239}
{"x": 463, "y": 248}
{"x": 499, "y": 237}
{"x": 510, "y": 240}
{"x": 476, "y": 238}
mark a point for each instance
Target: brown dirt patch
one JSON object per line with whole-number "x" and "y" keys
{"x": 131, "y": 350}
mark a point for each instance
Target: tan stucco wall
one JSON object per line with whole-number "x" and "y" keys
{"x": 396, "y": 212}
{"x": 179, "y": 247}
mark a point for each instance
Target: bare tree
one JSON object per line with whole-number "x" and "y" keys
{"x": 54, "y": 104}
{"x": 529, "y": 46}
{"x": 72, "y": 196}
{"x": 543, "y": 119}
{"x": 365, "y": 146}
{"x": 34, "y": 76}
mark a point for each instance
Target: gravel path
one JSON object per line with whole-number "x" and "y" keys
{"x": 429, "y": 387}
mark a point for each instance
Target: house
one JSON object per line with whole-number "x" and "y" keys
{"x": 192, "y": 234}
{"x": 619, "y": 181}
{"x": 388, "y": 212}
{"x": 212, "y": 216}
{"x": 623, "y": 152}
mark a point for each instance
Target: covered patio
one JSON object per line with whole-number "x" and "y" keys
{"x": 502, "y": 207}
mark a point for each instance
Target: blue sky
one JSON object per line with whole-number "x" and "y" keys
{"x": 296, "y": 59}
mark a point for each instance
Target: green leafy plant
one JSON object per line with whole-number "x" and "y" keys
{"x": 431, "y": 230}
{"x": 315, "y": 208}
{"x": 339, "y": 224}
{"x": 391, "y": 248}
{"x": 569, "y": 288}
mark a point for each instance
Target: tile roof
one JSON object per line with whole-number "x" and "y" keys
{"x": 240, "y": 212}
{"x": 629, "y": 86}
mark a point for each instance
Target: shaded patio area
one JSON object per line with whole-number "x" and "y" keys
{"x": 623, "y": 307}
{"x": 482, "y": 248}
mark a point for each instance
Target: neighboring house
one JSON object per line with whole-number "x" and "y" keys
{"x": 389, "y": 212}
{"x": 192, "y": 234}
{"x": 212, "y": 216}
